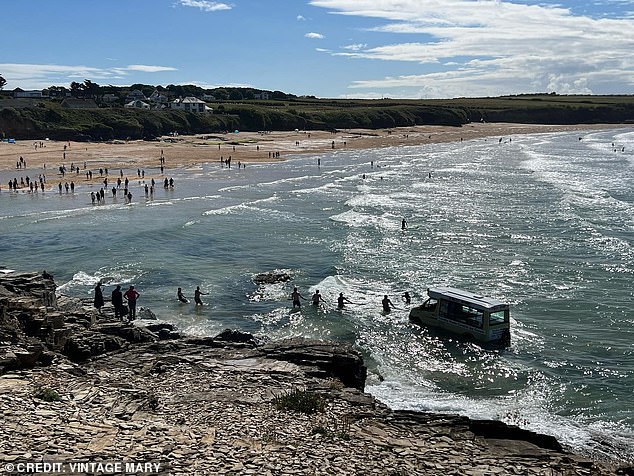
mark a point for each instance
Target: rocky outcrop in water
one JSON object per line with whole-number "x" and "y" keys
{"x": 271, "y": 277}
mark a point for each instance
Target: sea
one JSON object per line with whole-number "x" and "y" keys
{"x": 544, "y": 222}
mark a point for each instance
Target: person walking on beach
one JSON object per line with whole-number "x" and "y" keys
{"x": 117, "y": 302}
{"x": 295, "y": 297}
{"x": 316, "y": 299}
{"x": 98, "y": 302}
{"x": 387, "y": 304}
{"x": 179, "y": 295}
{"x": 131, "y": 296}
{"x": 197, "y": 294}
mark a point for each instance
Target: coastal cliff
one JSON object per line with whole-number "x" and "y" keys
{"x": 78, "y": 386}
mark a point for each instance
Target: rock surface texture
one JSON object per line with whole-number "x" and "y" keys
{"x": 223, "y": 405}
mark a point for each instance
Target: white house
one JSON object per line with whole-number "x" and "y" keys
{"x": 261, "y": 95}
{"x": 190, "y": 104}
{"x": 30, "y": 94}
{"x": 138, "y": 104}
{"x": 209, "y": 97}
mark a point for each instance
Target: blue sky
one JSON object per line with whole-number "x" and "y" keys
{"x": 326, "y": 48}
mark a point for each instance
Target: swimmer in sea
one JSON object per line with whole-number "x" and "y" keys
{"x": 387, "y": 304}
{"x": 180, "y": 296}
{"x": 295, "y": 296}
{"x": 341, "y": 300}
{"x": 197, "y": 294}
{"x": 317, "y": 298}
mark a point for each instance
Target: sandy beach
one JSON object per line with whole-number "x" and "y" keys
{"x": 243, "y": 147}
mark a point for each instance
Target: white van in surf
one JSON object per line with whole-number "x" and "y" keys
{"x": 469, "y": 315}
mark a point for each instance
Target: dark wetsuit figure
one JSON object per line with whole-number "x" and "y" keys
{"x": 197, "y": 294}
{"x": 387, "y": 304}
{"x": 117, "y": 302}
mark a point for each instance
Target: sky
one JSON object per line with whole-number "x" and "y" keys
{"x": 325, "y": 48}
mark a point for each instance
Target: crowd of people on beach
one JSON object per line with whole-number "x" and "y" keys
{"x": 96, "y": 197}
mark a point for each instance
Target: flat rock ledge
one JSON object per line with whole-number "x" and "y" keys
{"x": 215, "y": 405}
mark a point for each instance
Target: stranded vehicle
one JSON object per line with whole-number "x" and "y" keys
{"x": 469, "y": 315}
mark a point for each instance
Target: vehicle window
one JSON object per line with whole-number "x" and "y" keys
{"x": 498, "y": 317}
{"x": 462, "y": 314}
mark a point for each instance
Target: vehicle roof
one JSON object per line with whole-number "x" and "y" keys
{"x": 467, "y": 297}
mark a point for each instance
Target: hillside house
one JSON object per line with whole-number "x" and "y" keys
{"x": 74, "y": 103}
{"x": 109, "y": 98}
{"x": 157, "y": 98}
{"x": 190, "y": 104}
{"x": 32, "y": 94}
{"x": 138, "y": 104}
{"x": 135, "y": 95}
{"x": 261, "y": 95}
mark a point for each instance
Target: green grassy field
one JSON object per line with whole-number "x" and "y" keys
{"x": 46, "y": 118}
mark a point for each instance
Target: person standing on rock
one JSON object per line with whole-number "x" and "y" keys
{"x": 117, "y": 302}
{"x": 98, "y": 302}
{"x": 131, "y": 296}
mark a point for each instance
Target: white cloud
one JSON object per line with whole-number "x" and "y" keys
{"x": 355, "y": 47}
{"x": 149, "y": 69}
{"x": 44, "y": 75}
{"x": 493, "y": 47}
{"x": 206, "y": 85}
{"x": 205, "y": 5}
{"x": 301, "y": 18}
{"x": 317, "y": 36}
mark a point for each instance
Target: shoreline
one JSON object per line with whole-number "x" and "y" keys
{"x": 182, "y": 152}
{"x": 107, "y": 391}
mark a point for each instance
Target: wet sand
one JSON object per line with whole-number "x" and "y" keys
{"x": 244, "y": 147}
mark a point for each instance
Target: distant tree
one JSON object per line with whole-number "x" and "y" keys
{"x": 91, "y": 89}
{"x": 110, "y": 89}
{"x": 175, "y": 90}
{"x": 220, "y": 94}
{"x": 2, "y": 82}
{"x": 76, "y": 89}
{"x": 57, "y": 91}
{"x": 235, "y": 95}
{"x": 279, "y": 95}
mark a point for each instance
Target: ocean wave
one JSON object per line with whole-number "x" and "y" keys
{"x": 82, "y": 279}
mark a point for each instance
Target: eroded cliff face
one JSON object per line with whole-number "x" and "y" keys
{"x": 229, "y": 404}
